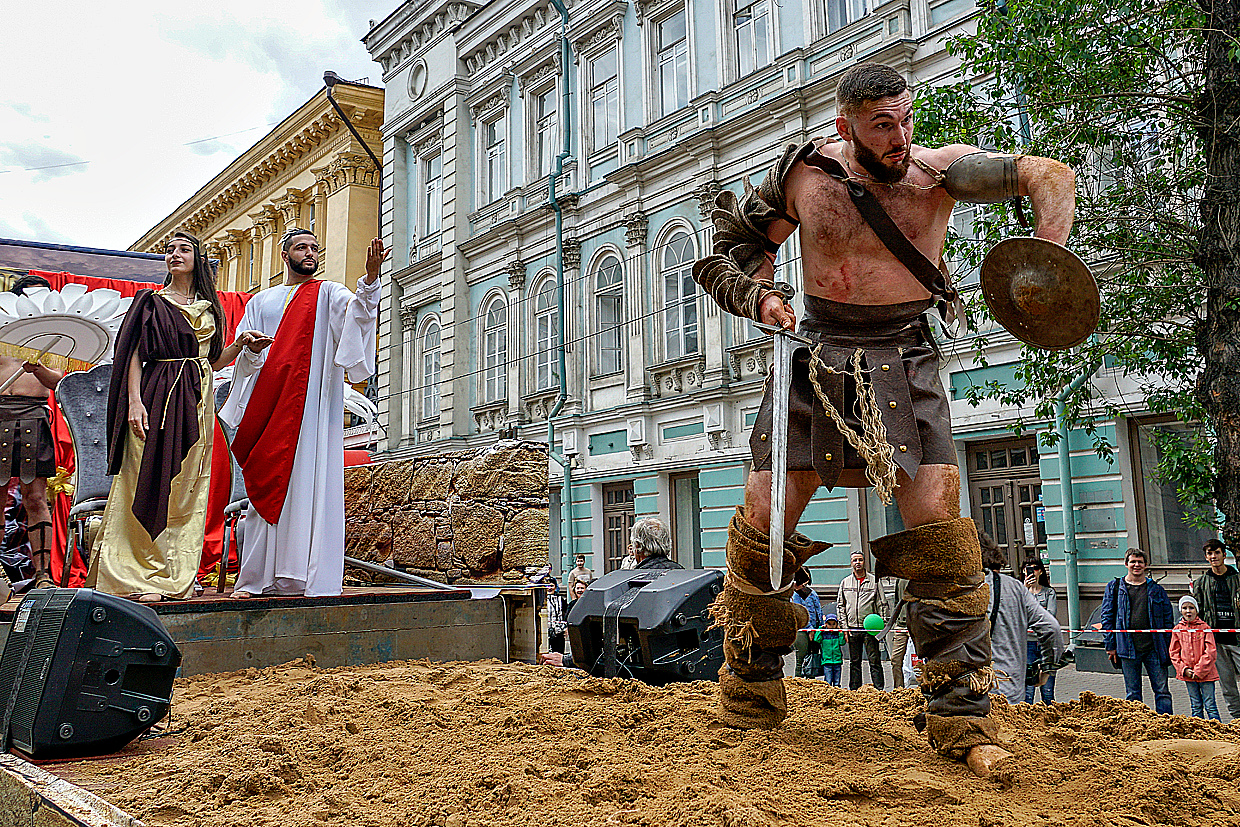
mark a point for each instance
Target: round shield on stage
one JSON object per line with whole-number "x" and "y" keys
{"x": 1041, "y": 292}
{"x": 75, "y": 325}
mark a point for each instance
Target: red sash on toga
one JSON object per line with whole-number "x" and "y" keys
{"x": 272, "y": 418}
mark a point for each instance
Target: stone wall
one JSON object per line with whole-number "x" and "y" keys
{"x": 472, "y": 516}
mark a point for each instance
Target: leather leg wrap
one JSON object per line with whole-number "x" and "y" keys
{"x": 935, "y": 551}
{"x": 749, "y": 561}
{"x": 954, "y": 736}
{"x": 758, "y": 629}
{"x": 947, "y": 604}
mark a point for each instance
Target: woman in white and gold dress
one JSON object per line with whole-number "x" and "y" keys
{"x": 161, "y": 415}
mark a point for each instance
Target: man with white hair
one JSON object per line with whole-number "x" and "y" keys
{"x": 652, "y": 544}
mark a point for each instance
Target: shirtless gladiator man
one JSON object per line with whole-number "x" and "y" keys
{"x": 26, "y": 446}
{"x": 875, "y": 376}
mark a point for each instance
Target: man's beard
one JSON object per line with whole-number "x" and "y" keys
{"x": 305, "y": 267}
{"x": 879, "y": 171}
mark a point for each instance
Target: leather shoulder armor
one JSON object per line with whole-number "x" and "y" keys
{"x": 741, "y": 241}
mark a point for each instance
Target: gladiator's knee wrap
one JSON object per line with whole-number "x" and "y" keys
{"x": 982, "y": 178}
{"x": 759, "y": 628}
{"x": 941, "y": 561}
{"x": 742, "y": 242}
{"x": 948, "y": 600}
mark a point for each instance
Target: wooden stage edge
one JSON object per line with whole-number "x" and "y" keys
{"x": 364, "y": 625}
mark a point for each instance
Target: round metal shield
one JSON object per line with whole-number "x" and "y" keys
{"x": 1041, "y": 292}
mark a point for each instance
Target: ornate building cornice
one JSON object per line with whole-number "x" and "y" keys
{"x": 514, "y": 36}
{"x": 303, "y": 138}
{"x": 412, "y": 38}
{"x": 349, "y": 169}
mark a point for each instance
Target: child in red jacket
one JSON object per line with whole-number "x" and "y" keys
{"x": 1192, "y": 652}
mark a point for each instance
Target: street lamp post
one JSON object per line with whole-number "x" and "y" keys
{"x": 330, "y": 79}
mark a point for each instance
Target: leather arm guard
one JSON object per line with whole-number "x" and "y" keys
{"x": 982, "y": 178}
{"x": 741, "y": 242}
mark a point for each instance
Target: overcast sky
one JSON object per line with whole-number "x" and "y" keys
{"x": 155, "y": 98}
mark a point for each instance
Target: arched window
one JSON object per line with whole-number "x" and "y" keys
{"x": 495, "y": 351}
{"x": 546, "y": 337}
{"x": 680, "y": 317}
{"x": 430, "y": 370}
{"x": 609, "y": 298}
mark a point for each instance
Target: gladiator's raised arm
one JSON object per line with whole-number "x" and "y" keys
{"x": 979, "y": 177}
{"x": 1051, "y": 187}
{"x": 733, "y": 275}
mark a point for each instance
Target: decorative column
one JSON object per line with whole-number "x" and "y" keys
{"x": 639, "y": 330}
{"x": 234, "y": 241}
{"x": 715, "y": 337}
{"x": 214, "y": 251}
{"x": 575, "y": 328}
{"x": 408, "y": 385}
{"x": 517, "y": 336}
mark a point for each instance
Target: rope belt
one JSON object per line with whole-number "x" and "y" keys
{"x": 201, "y": 360}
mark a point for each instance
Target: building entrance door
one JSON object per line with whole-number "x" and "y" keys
{"x": 1005, "y": 489}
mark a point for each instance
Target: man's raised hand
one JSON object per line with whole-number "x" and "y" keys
{"x": 376, "y": 254}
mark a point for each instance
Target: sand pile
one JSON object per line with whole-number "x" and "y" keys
{"x": 461, "y": 744}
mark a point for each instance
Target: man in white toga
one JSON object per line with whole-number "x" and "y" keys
{"x": 287, "y": 404}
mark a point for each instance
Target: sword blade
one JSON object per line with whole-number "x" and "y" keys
{"x": 782, "y": 379}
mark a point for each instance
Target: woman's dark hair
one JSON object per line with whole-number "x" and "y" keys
{"x": 993, "y": 558}
{"x": 1044, "y": 579}
{"x": 204, "y": 285}
{"x": 27, "y": 281}
{"x": 802, "y": 576}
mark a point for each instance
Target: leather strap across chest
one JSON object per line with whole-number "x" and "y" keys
{"x": 893, "y": 238}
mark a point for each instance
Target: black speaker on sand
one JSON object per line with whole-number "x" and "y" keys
{"x": 648, "y": 624}
{"x": 83, "y": 673}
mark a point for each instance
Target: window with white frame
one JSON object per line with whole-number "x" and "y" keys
{"x": 842, "y": 12}
{"x": 673, "y": 63}
{"x": 430, "y": 370}
{"x": 494, "y": 180}
{"x": 495, "y": 350}
{"x": 546, "y": 337}
{"x": 604, "y": 81}
{"x": 432, "y": 195}
{"x": 680, "y": 317}
{"x": 545, "y": 131}
{"x": 752, "y": 22}
{"x": 609, "y": 300}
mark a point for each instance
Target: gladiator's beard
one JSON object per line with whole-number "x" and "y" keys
{"x": 884, "y": 173}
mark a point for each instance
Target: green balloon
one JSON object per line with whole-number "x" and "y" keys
{"x": 873, "y": 624}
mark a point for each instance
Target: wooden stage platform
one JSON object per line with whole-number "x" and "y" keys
{"x": 369, "y": 624}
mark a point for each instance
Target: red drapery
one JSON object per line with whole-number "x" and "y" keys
{"x": 221, "y": 480}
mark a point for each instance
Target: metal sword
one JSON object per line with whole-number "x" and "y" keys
{"x": 785, "y": 345}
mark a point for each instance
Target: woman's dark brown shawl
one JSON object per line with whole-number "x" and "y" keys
{"x": 170, "y": 391}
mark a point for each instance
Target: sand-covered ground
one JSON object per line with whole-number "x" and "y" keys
{"x": 458, "y": 744}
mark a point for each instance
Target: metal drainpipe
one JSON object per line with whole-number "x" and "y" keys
{"x": 566, "y": 497}
{"x": 1067, "y": 498}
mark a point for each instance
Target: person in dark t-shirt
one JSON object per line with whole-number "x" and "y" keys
{"x": 1217, "y": 593}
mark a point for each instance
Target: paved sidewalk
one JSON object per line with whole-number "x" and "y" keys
{"x": 1069, "y": 684}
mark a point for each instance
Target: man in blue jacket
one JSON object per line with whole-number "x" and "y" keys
{"x": 1134, "y": 601}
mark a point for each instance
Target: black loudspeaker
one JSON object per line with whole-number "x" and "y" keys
{"x": 648, "y": 624}
{"x": 83, "y": 673}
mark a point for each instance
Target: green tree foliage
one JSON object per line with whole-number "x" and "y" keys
{"x": 1112, "y": 89}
